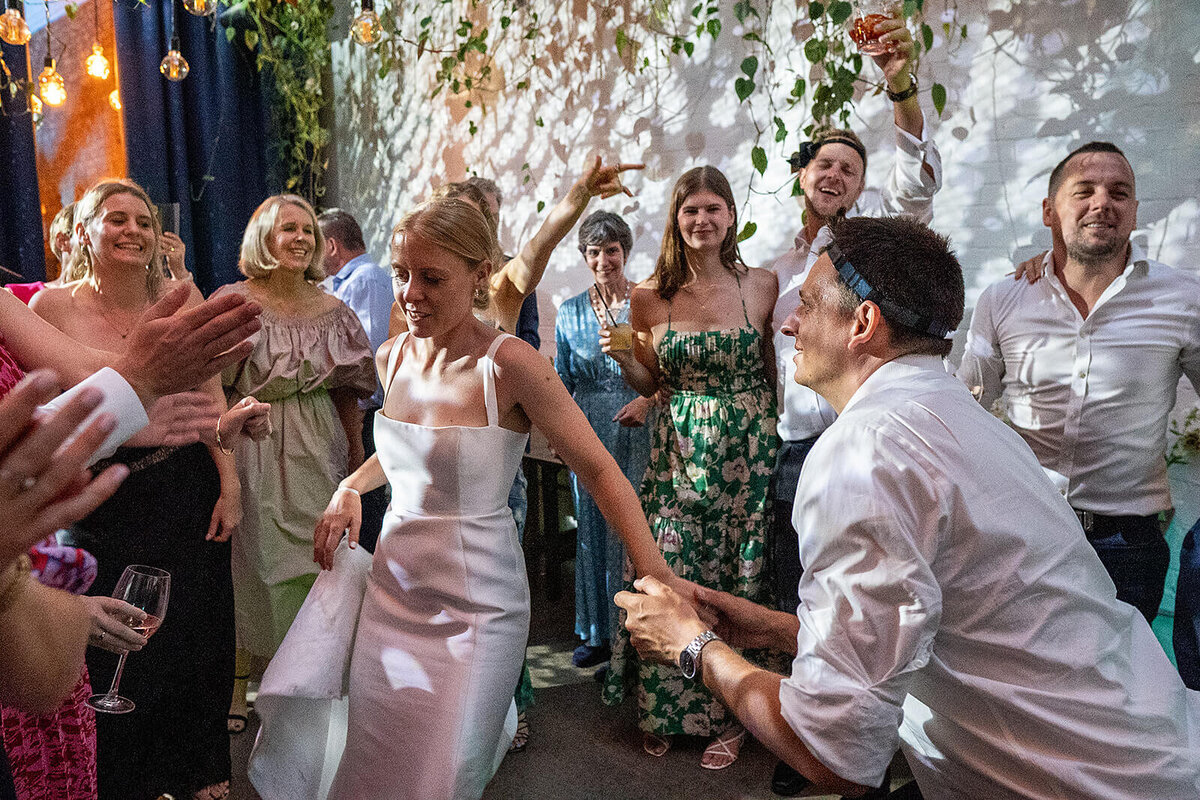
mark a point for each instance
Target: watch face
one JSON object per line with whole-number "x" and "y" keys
{"x": 687, "y": 664}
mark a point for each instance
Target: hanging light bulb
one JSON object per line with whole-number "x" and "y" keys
{"x": 366, "y": 28}
{"x": 13, "y": 28}
{"x": 174, "y": 66}
{"x": 97, "y": 64}
{"x": 51, "y": 85}
{"x": 114, "y": 100}
{"x": 35, "y": 106}
{"x": 200, "y": 8}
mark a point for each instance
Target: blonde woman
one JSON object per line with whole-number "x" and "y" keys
{"x": 313, "y": 361}
{"x": 176, "y": 511}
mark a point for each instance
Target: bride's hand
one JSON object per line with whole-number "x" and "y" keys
{"x": 342, "y": 515}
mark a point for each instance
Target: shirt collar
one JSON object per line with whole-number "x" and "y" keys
{"x": 348, "y": 269}
{"x": 1137, "y": 261}
{"x": 897, "y": 369}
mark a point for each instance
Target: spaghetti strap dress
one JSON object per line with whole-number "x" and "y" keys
{"x": 705, "y": 496}
{"x": 445, "y": 617}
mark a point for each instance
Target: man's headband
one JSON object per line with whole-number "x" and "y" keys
{"x": 892, "y": 310}
{"x": 808, "y": 151}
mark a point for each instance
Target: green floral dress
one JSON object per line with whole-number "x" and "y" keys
{"x": 705, "y": 496}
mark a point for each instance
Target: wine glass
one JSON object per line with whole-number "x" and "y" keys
{"x": 146, "y": 588}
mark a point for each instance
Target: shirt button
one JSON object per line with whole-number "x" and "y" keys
{"x": 1083, "y": 373}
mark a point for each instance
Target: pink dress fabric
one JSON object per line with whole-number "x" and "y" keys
{"x": 52, "y": 756}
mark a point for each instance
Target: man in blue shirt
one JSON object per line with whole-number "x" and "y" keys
{"x": 363, "y": 285}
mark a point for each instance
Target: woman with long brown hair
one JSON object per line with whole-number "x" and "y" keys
{"x": 701, "y": 327}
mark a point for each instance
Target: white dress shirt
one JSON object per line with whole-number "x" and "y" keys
{"x": 118, "y": 399}
{"x": 1091, "y": 396}
{"x": 909, "y": 190}
{"x": 950, "y": 602}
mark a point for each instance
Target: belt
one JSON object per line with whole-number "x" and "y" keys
{"x": 1101, "y": 526}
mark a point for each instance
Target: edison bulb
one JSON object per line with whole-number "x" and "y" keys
{"x": 51, "y": 85}
{"x": 200, "y": 8}
{"x": 97, "y": 64}
{"x": 13, "y": 28}
{"x": 114, "y": 100}
{"x": 366, "y": 28}
{"x": 174, "y": 66}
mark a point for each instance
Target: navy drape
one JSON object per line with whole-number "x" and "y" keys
{"x": 200, "y": 142}
{"x": 21, "y": 247}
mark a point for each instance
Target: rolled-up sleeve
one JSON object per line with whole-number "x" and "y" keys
{"x": 910, "y": 187}
{"x": 867, "y": 515}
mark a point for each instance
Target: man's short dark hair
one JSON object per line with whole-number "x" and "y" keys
{"x": 605, "y": 226}
{"x": 341, "y": 225}
{"x": 1058, "y": 174}
{"x": 909, "y": 264}
{"x": 487, "y": 187}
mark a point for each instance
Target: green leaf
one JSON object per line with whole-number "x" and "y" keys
{"x": 541, "y": 205}
{"x": 758, "y": 157}
{"x": 750, "y": 66}
{"x": 474, "y": 129}
{"x": 815, "y": 50}
{"x": 799, "y": 88}
{"x": 505, "y": 22}
{"x": 839, "y": 12}
{"x": 927, "y": 36}
{"x": 780, "y": 130}
{"x": 229, "y": 34}
{"x": 714, "y": 28}
{"x": 747, "y": 231}
{"x": 964, "y": 31}
{"x": 689, "y": 48}
{"x": 539, "y": 122}
{"x": 910, "y": 7}
{"x": 938, "y": 92}
{"x": 744, "y": 88}
{"x": 72, "y": 9}
{"x": 251, "y": 39}
{"x": 815, "y": 10}
{"x": 622, "y": 42}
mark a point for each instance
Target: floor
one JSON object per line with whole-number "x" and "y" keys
{"x": 581, "y": 749}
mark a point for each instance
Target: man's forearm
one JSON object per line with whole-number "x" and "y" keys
{"x": 752, "y": 694}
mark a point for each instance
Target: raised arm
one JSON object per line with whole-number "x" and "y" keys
{"x": 520, "y": 276}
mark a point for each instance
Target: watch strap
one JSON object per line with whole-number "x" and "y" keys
{"x": 901, "y": 96}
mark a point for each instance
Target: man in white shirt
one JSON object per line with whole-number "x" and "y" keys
{"x": 1086, "y": 361}
{"x": 366, "y": 287}
{"x": 949, "y": 603}
{"x": 831, "y": 174}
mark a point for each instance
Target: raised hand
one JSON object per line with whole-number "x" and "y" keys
{"x": 174, "y": 249}
{"x": 605, "y": 181}
{"x": 896, "y": 61}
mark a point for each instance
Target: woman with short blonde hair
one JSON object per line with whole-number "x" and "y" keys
{"x": 256, "y": 259}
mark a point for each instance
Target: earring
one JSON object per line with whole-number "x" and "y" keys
{"x": 481, "y": 295}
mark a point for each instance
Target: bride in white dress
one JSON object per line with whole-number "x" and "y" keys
{"x": 445, "y": 617}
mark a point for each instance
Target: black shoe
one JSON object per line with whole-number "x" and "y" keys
{"x": 601, "y": 675}
{"x": 787, "y": 782}
{"x": 588, "y": 656}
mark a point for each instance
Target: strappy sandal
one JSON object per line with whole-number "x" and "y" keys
{"x": 723, "y": 747}
{"x": 216, "y": 791}
{"x": 521, "y": 737}
{"x": 236, "y": 721}
{"x": 656, "y": 745}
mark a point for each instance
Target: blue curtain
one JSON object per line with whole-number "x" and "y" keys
{"x": 200, "y": 142}
{"x": 21, "y": 248}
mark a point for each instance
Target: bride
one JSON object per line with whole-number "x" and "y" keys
{"x": 445, "y": 617}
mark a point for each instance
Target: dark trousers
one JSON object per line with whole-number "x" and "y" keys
{"x": 374, "y": 503}
{"x": 785, "y": 565}
{"x": 1186, "y": 637}
{"x": 1136, "y": 556}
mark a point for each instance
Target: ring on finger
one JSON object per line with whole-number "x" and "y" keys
{"x": 100, "y": 636}
{"x": 20, "y": 480}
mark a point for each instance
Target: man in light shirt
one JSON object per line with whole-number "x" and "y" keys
{"x": 1086, "y": 361}
{"x": 949, "y": 602}
{"x": 366, "y": 287}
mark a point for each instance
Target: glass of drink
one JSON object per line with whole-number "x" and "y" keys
{"x": 620, "y": 336}
{"x": 147, "y": 588}
{"x": 867, "y": 14}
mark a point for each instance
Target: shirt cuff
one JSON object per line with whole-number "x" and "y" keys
{"x": 119, "y": 399}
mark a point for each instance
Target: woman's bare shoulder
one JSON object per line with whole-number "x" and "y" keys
{"x": 52, "y": 302}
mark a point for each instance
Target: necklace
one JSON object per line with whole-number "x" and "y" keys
{"x": 124, "y": 334}
{"x": 619, "y": 303}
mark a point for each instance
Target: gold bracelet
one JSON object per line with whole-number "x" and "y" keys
{"x": 220, "y": 446}
{"x": 14, "y": 579}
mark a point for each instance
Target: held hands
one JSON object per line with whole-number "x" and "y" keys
{"x": 246, "y": 417}
{"x": 111, "y": 619}
{"x": 740, "y": 622}
{"x": 45, "y": 484}
{"x": 896, "y": 61}
{"x": 342, "y": 515}
{"x": 660, "y": 621}
{"x": 604, "y": 180}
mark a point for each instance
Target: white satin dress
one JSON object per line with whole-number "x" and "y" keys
{"x": 445, "y": 618}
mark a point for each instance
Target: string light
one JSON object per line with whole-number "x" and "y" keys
{"x": 366, "y": 28}
{"x": 14, "y": 29}
{"x": 174, "y": 66}
{"x": 96, "y": 64}
{"x": 200, "y": 8}
{"x": 51, "y": 85}
{"x": 114, "y": 100}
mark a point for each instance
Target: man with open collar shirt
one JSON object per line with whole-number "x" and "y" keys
{"x": 1086, "y": 361}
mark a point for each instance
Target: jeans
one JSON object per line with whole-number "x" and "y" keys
{"x": 1137, "y": 557}
{"x": 1186, "y": 637}
{"x": 784, "y": 552}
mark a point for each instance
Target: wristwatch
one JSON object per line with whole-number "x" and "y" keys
{"x": 901, "y": 96}
{"x": 689, "y": 659}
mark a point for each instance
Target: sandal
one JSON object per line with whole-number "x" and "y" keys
{"x": 237, "y": 720}
{"x": 656, "y": 745}
{"x": 236, "y": 723}
{"x": 216, "y": 791}
{"x": 521, "y": 737}
{"x": 723, "y": 750}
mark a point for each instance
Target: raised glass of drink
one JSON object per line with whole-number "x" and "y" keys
{"x": 867, "y": 14}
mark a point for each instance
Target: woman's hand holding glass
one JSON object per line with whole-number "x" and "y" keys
{"x": 111, "y": 624}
